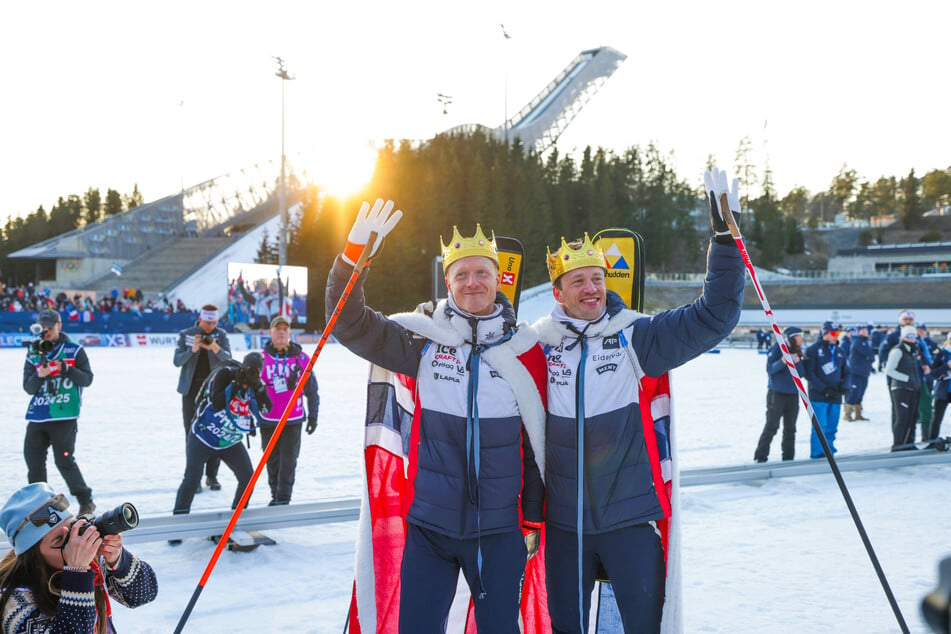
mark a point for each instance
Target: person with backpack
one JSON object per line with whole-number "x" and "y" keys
{"x": 231, "y": 398}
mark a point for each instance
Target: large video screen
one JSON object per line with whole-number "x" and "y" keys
{"x": 259, "y": 292}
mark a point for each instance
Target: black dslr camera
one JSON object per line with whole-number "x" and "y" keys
{"x": 120, "y": 519}
{"x": 207, "y": 339}
{"x": 39, "y": 345}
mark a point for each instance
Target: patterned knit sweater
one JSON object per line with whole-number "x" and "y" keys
{"x": 132, "y": 583}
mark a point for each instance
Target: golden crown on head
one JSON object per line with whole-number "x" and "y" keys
{"x": 568, "y": 259}
{"x": 460, "y": 247}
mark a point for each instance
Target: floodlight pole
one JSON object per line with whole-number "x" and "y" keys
{"x": 505, "y": 121}
{"x": 282, "y": 188}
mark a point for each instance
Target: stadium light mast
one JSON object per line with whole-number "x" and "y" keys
{"x": 282, "y": 192}
{"x": 505, "y": 121}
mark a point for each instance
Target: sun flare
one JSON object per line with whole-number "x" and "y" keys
{"x": 342, "y": 170}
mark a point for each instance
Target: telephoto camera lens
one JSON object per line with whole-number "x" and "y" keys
{"x": 120, "y": 519}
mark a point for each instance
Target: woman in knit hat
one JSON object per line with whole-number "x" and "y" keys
{"x": 58, "y": 579}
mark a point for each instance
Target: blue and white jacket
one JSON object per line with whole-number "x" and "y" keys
{"x": 469, "y": 478}
{"x": 597, "y": 372}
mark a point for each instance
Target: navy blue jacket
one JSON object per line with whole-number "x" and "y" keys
{"x": 861, "y": 356}
{"x": 598, "y": 375}
{"x": 827, "y": 372}
{"x": 450, "y": 496}
{"x": 780, "y": 378}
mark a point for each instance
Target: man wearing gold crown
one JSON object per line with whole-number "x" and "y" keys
{"x": 599, "y": 353}
{"x": 477, "y": 428}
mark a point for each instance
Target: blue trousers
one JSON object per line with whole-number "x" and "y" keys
{"x": 430, "y": 571}
{"x": 633, "y": 557}
{"x": 828, "y": 416}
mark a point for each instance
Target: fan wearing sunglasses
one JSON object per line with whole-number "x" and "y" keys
{"x": 60, "y": 576}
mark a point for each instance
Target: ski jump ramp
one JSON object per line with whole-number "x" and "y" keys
{"x": 542, "y": 120}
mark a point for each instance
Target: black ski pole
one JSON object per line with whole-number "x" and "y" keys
{"x": 790, "y": 363}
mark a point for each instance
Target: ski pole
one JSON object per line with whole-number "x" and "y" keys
{"x": 223, "y": 541}
{"x": 791, "y": 364}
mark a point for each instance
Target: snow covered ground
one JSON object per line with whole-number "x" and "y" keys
{"x": 772, "y": 556}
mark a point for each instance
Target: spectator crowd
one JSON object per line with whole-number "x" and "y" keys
{"x": 31, "y": 298}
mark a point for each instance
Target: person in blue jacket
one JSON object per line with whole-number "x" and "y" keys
{"x": 782, "y": 397}
{"x": 601, "y": 507}
{"x": 941, "y": 374}
{"x": 861, "y": 363}
{"x": 477, "y": 432}
{"x": 827, "y": 373}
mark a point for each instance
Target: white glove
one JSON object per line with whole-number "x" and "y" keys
{"x": 715, "y": 182}
{"x": 377, "y": 220}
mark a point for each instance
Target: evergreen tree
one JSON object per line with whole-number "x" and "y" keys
{"x": 911, "y": 209}
{"x": 93, "y": 205}
{"x": 268, "y": 251}
{"x": 113, "y": 204}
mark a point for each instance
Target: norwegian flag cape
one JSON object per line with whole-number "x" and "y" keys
{"x": 388, "y": 492}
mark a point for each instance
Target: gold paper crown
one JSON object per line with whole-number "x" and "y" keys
{"x": 567, "y": 259}
{"x": 460, "y": 247}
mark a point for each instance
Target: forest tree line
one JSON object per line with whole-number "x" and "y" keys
{"x": 464, "y": 179}
{"x": 69, "y": 212}
{"x": 461, "y": 179}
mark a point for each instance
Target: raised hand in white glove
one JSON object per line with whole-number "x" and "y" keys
{"x": 715, "y": 181}
{"x": 377, "y": 219}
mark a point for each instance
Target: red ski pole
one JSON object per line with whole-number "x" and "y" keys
{"x": 803, "y": 394}
{"x": 223, "y": 541}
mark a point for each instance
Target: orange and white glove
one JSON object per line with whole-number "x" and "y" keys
{"x": 377, "y": 220}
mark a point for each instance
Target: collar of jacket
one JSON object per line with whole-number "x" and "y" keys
{"x": 551, "y": 332}
{"x": 293, "y": 349}
{"x": 447, "y": 328}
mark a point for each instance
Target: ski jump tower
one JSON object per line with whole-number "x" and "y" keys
{"x": 542, "y": 120}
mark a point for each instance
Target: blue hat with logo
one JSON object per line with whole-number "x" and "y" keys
{"x": 792, "y": 330}
{"x": 30, "y": 514}
{"x": 828, "y": 326}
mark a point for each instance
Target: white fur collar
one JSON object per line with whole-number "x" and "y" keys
{"x": 551, "y": 332}
{"x": 453, "y": 331}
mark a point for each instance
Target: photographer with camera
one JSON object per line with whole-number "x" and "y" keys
{"x": 284, "y": 363}
{"x": 55, "y": 372}
{"x": 827, "y": 373}
{"x": 231, "y": 399}
{"x": 201, "y": 348}
{"x": 58, "y": 573}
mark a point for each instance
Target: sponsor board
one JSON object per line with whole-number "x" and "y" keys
{"x": 15, "y": 339}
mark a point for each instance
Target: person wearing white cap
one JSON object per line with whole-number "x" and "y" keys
{"x": 902, "y": 368}
{"x": 200, "y": 349}
{"x": 55, "y": 373}
{"x": 58, "y": 576}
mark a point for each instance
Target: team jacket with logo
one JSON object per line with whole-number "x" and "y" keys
{"x": 280, "y": 374}
{"x": 450, "y": 495}
{"x": 57, "y": 397}
{"x": 227, "y": 412}
{"x": 600, "y": 372}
